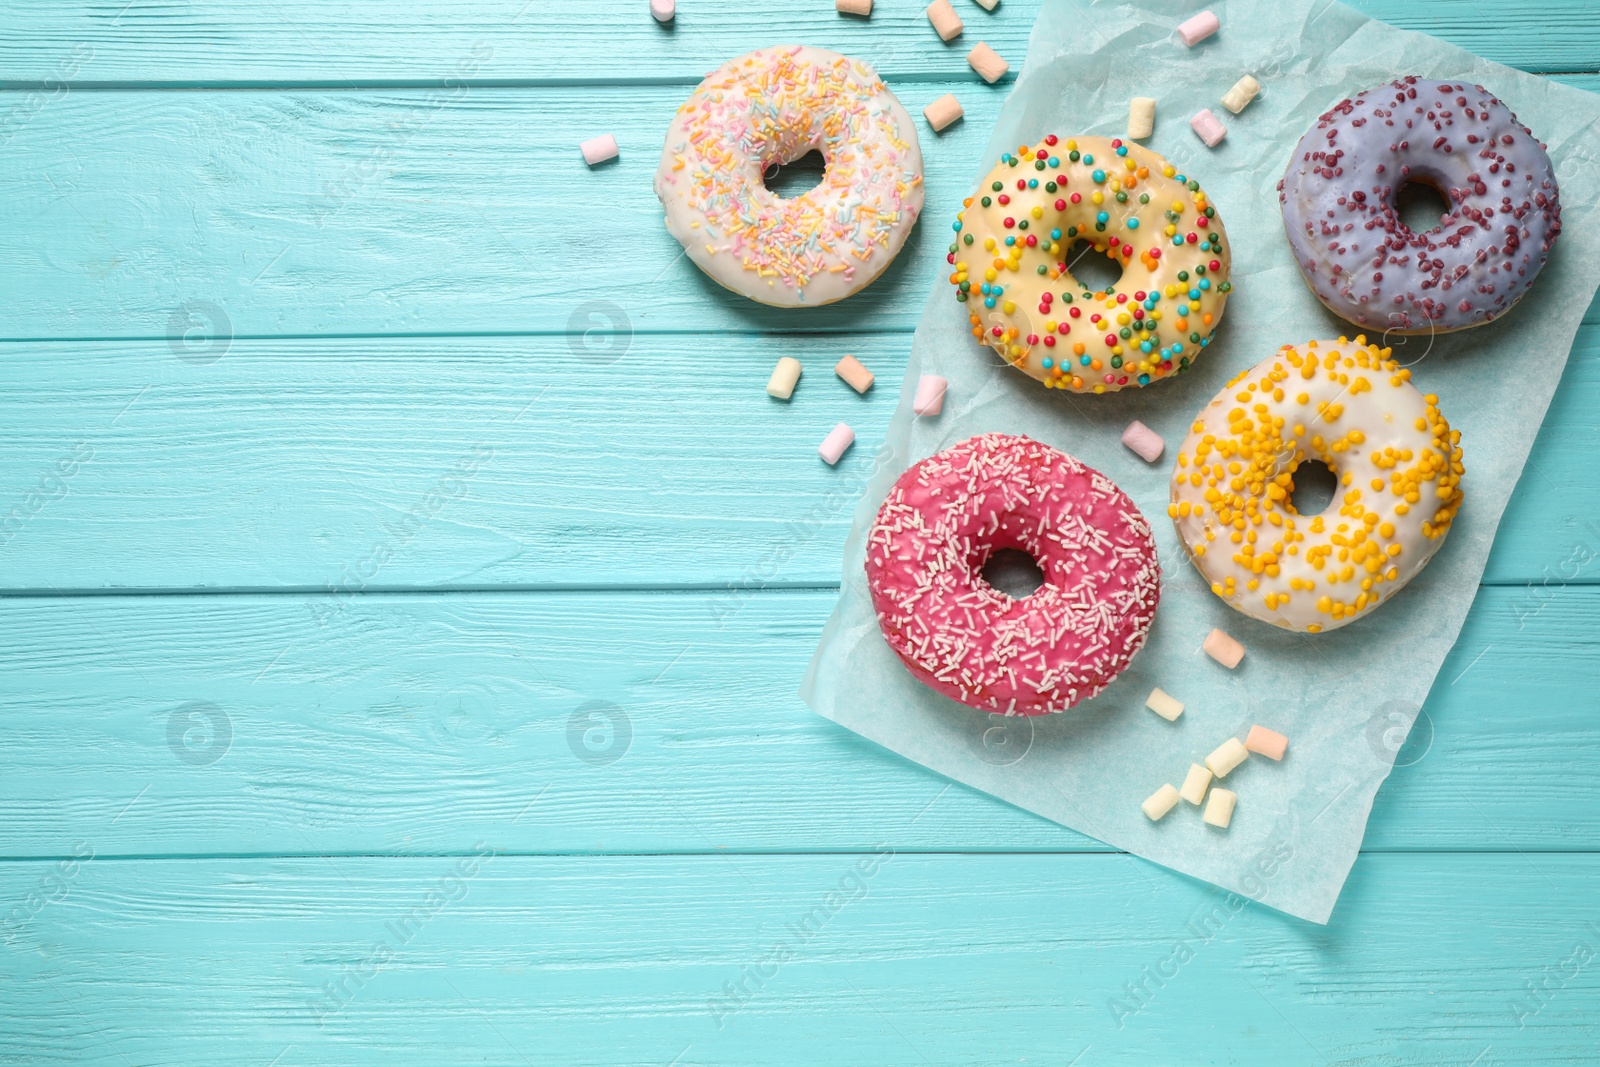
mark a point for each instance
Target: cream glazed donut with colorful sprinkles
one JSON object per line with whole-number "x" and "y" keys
{"x": 772, "y": 107}
{"x": 943, "y": 520}
{"x": 1014, "y": 243}
{"x": 1396, "y": 460}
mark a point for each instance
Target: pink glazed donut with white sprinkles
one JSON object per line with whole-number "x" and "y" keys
{"x": 1366, "y": 265}
{"x": 944, "y": 519}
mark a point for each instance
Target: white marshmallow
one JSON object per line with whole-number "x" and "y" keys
{"x": 1160, "y": 802}
{"x": 1163, "y": 705}
{"x": 784, "y": 378}
{"x": 1141, "y": 117}
{"x": 1228, "y": 755}
{"x": 1195, "y": 784}
{"x": 1238, "y": 98}
{"x": 1219, "y": 809}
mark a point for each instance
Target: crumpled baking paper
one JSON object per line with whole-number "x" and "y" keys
{"x": 1345, "y": 699}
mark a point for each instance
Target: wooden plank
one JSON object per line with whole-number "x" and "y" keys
{"x": 270, "y": 213}
{"x": 609, "y": 42}
{"x": 300, "y": 42}
{"x": 407, "y": 724}
{"x": 881, "y": 959}
{"x": 392, "y": 212}
{"x": 502, "y": 463}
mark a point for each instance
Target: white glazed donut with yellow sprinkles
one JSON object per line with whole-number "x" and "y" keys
{"x": 1014, "y": 243}
{"x": 771, "y": 107}
{"x": 1395, "y": 458}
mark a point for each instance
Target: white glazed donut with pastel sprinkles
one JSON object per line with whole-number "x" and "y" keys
{"x": 772, "y": 107}
{"x": 1396, "y": 460}
{"x": 1016, "y": 239}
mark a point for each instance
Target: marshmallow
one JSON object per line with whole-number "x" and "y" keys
{"x": 1228, "y": 755}
{"x": 839, "y": 438}
{"x": 944, "y": 18}
{"x": 1224, "y": 649}
{"x": 1161, "y": 801}
{"x": 1144, "y": 441}
{"x": 663, "y": 10}
{"x": 1195, "y": 784}
{"x": 987, "y": 5}
{"x": 599, "y": 149}
{"x": 1141, "y": 117}
{"x": 784, "y": 377}
{"x": 942, "y": 112}
{"x": 858, "y": 377}
{"x": 1219, "y": 809}
{"x": 1198, "y": 28}
{"x": 1238, "y": 98}
{"x": 1163, "y": 705}
{"x": 1209, "y": 128}
{"x": 987, "y": 62}
{"x": 853, "y": 7}
{"x": 930, "y": 395}
{"x": 1265, "y": 742}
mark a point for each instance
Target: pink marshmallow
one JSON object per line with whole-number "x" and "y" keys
{"x": 930, "y": 395}
{"x": 1208, "y": 127}
{"x": 839, "y": 438}
{"x": 599, "y": 149}
{"x": 1144, "y": 441}
{"x": 1265, "y": 742}
{"x": 663, "y": 10}
{"x": 1224, "y": 649}
{"x": 1198, "y": 28}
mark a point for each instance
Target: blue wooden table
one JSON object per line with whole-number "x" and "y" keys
{"x": 406, "y": 582}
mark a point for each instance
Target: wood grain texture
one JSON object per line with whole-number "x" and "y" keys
{"x": 215, "y": 808}
{"x": 891, "y": 959}
{"x": 482, "y": 463}
{"x": 410, "y": 724}
{"x": 603, "y": 42}
{"x": 466, "y": 210}
{"x": 302, "y": 42}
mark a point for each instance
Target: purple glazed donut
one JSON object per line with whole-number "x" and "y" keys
{"x": 1366, "y": 265}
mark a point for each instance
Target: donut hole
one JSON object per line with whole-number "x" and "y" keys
{"x": 1420, "y": 205}
{"x": 796, "y": 177}
{"x": 1013, "y": 572}
{"x": 1314, "y": 487}
{"x": 1095, "y": 271}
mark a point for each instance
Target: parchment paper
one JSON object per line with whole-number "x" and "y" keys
{"x": 1345, "y": 699}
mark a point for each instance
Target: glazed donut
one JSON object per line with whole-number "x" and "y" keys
{"x": 1366, "y": 265}
{"x": 1014, "y": 243}
{"x": 769, "y": 108}
{"x": 966, "y": 639}
{"x": 1398, "y": 466}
